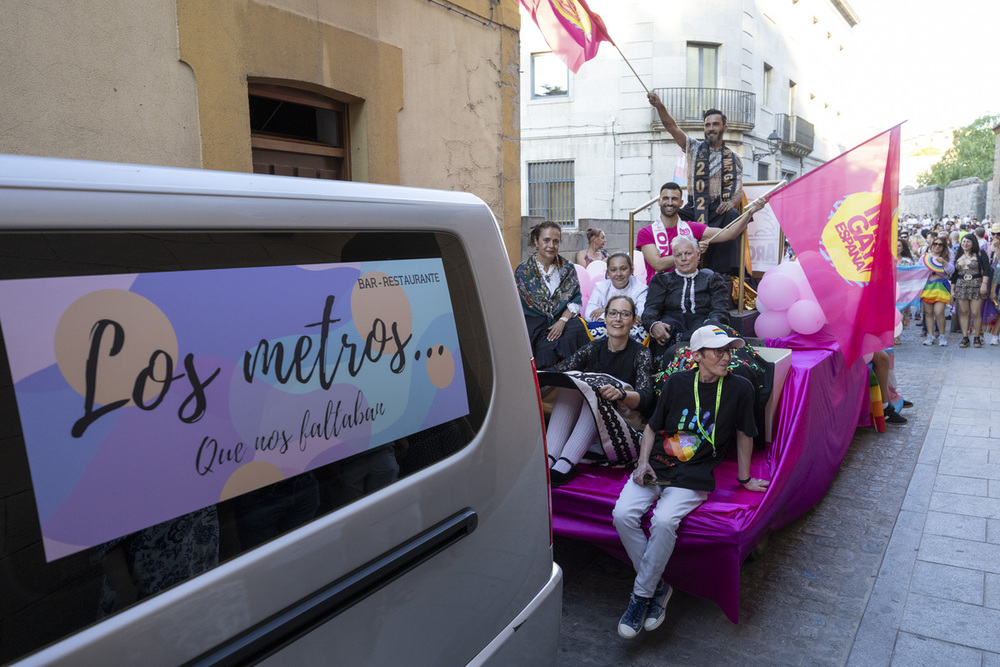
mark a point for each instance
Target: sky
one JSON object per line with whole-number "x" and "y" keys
{"x": 927, "y": 62}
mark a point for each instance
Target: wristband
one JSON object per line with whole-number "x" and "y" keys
{"x": 564, "y": 319}
{"x": 743, "y": 481}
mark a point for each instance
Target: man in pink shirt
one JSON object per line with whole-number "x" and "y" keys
{"x": 654, "y": 240}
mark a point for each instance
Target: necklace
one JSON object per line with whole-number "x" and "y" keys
{"x": 715, "y": 415}
{"x": 546, "y": 273}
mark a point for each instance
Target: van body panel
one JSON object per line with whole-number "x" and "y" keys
{"x": 445, "y": 610}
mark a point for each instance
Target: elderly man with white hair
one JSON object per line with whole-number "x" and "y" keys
{"x": 679, "y": 302}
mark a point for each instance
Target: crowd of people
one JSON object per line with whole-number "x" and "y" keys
{"x": 962, "y": 257}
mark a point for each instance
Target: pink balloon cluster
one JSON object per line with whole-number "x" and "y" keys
{"x": 787, "y": 303}
{"x": 638, "y": 265}
{"x": 589, "y": 277}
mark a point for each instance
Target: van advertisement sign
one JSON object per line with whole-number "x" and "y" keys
{"x": 147, "y": 396}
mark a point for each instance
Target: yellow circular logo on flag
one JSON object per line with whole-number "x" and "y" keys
{"x": 574, "y": 13}
{"x": 849, "y": 236}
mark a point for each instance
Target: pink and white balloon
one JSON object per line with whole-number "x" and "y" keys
{"x": 772, "y": 324}
{"x": 598, "y": 270}
{"x": 787, "y": 302}
{"x": 639, "y": 264}
{"x": 586, "y": 283}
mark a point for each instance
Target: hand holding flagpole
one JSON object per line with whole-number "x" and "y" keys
{"x": 754, "y": 206}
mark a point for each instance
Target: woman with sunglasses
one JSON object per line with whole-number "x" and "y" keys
{"x": 937, "y": 290}
{"x": 604, "y": 386}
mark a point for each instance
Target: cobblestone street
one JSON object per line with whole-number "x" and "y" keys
{"x": 804, "y": 595}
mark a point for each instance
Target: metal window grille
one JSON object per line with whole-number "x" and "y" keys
{"x": 551, "y": 191}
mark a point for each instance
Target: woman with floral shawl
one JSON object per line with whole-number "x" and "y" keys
{"x": 550, "y": 298}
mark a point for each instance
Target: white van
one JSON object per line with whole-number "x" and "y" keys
{"x": 254, "y": 419}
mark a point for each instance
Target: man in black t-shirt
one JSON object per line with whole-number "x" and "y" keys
{"x": 698, "y": 413}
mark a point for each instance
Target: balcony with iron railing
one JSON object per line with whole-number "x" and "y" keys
{"x": 797, "y": 134}
{"x": 687, "y": 105}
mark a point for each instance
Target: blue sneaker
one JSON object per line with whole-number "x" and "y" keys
{"x": 658, "y": 606}
{"x": 634, "y": 616}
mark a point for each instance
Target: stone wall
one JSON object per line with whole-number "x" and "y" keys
{"x": 966, "y": 197}
{"x": 615, "y": 234}
{"x": 921, "y": 201}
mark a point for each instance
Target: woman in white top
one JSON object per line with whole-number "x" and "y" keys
{"x": 620, "y": 282}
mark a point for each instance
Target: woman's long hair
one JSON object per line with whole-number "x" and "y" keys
{"x": 973, "y": 251}
{"x": 907, "y": 253}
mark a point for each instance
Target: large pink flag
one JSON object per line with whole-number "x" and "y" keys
{"x": 571, "y": 30}
{"x": 841, "y": 221}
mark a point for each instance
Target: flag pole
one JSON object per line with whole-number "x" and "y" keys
{"x": 631, "y": 68}
{"x": 763, "y": 196}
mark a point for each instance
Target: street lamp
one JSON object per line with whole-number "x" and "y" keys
{"x": 773, "y": 142}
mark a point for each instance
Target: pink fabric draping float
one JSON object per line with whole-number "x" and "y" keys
{"x": 714, "y": 540}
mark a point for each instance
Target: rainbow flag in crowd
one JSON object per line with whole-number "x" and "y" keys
{"x": 911, "y": 281}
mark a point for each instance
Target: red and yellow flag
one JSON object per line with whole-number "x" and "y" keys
{"x": 571, "y": 30}
{"x": 841, "y": 221}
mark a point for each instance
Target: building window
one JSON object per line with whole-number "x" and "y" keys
{"x": 791, "y": 98}
{"x": 702, "y": 65}
{"x": 551, "y": 191}
{"x": 762, "y": 171}
{"x": 549, "y": 76}
{"x": 765, "y": 94}
{"x": 298, "y": 133}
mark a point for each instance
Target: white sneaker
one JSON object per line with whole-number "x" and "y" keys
{"x": 929, "y": 340}
{"x": 994, "y": 339}
{"x": 942, "y": 341}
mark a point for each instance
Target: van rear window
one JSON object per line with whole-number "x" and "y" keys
{"x": 172, "y": 400}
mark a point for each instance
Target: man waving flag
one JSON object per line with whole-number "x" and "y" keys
{"x": 571, "y": 30}
{"x": 841, "y": 221}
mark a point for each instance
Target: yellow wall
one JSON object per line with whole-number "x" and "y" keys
{"x": 97, "y": 81}
{"x": 433, "y": 93}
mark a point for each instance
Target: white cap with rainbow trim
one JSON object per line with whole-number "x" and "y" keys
{"x": 712, "y": 336}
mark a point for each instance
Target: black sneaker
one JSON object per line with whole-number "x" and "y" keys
{"x": 892, "y": 417}
{"x": 907, "y": 404}
{"x": 634, "y": 617}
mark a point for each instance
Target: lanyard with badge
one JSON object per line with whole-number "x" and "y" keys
{"x": 715, "y": 415}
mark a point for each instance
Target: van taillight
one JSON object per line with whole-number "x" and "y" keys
{"x": 545, "y": 444}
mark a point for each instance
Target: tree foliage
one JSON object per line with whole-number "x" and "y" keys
{"x": 971, "y": 154}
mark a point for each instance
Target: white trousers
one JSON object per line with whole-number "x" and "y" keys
{"x": 650, "y": 556}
